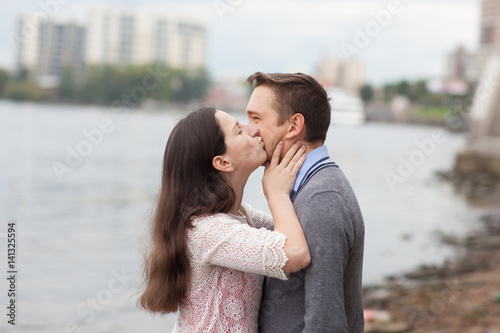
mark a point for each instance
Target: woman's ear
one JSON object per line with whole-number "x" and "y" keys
{"x": 222, "y": 164}
{"x": 296, "y": 127}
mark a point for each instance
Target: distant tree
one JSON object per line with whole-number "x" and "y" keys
{"x": 4, "y": 78}
{"x": 106, "y": 84}
{"x": 366, "y": 93}
{"x": 415, "y": 91}
{"x": 389, "y": 92}
{"x": 22, "y": 74}
{"x": 418, "y": 91}
{"x": 24, "y": 90}
{"x": 67, "y": 87}
{"x": 193, "y": 85}
{"x": 403, "y": 88}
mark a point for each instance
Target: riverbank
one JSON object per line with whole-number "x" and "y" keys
{"x": 462, "y": 295}
{"x": 415, "y": 114}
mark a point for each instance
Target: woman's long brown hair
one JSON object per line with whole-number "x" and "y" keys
{"x": 190, "y": 187}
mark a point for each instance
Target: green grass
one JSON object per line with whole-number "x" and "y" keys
{"x": 432, "y": 112}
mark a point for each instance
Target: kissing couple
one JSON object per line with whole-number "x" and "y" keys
{"x": 223, "y": 266}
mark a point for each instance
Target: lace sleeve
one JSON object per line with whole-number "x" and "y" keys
{"x": 259, "y": 218}
{"x": 221, "y": 240}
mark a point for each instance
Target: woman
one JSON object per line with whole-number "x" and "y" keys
{"x": 209, "y": 251}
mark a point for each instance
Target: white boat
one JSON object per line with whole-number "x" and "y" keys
{"x": 347, "y": 107}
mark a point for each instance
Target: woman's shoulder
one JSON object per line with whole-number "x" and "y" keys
{"x": 249, "y": 211}
{"x": 209, "y": 217}
{"x": 255, "y": 216}
{"x": 211, "y": 220}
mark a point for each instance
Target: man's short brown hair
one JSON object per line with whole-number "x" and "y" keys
{"x": 298, "y": 93}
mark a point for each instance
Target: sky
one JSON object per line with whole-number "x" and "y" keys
{"x": 245, "y": 36}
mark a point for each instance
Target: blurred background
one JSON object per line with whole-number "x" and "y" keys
{"x": 90, "y": 91}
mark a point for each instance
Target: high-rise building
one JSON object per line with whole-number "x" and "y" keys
{"x": 62, "y": 45}
{"x": 141, "y": 36}
{"x": 110, "y": 36}
{"x": 461, "y": 65}
{"x": 349, "y": 75}
{"x": 490, "y": 32}
{"x": 47, "y": 47}
{"x": 25, "y": 38}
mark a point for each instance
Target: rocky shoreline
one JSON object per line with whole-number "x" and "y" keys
{"x": 462, "y": 295}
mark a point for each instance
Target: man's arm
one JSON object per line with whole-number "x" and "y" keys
{"x": 325, "y": 225}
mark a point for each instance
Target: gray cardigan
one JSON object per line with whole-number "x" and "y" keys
{"x": 327, "y": 295}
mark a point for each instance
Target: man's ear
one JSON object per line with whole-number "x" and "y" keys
{"x": 296, "y": 126}
{"x": 222, "y": 164}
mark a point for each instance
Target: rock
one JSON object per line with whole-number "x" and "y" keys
{"x": 486, "y": 179}
{"x": 396, "y": 327}
{"x": 491, "y": 223}
{"x": 380, "y": 321}
{"x": 467, "y": 163}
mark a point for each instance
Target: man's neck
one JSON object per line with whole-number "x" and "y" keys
{"x": 310, "y": 146}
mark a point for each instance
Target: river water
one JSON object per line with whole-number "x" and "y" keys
{"x": 80, "y": 225}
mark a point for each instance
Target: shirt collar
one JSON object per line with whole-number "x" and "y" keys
{"x": 312, "y": 157}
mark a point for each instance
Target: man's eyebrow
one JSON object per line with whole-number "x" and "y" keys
{"x": 235, "y": 126}
{"x": 253, "y": 112}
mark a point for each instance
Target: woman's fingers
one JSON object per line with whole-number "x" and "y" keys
{"x": 296, "y": 158}
{"x": 276, "y": 155}
{"x": 279, "y": 177}
{"x": 298, "y": 165}
{"x": 289, "y": 154}
{"x": 292, "y": 158}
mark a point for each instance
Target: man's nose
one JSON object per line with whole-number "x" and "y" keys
{"x": 253, "y": 130}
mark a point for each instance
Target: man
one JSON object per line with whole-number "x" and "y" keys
{"x": 327, "y": 295}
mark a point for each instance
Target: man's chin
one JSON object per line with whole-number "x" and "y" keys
{"x": 266, "y": 162}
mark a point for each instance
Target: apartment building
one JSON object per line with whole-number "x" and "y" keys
{"x": 109, "y": 35}
{"x": 141, "y": 36}
{"x": 45, "y": 48}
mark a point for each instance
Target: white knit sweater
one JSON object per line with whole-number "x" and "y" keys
{"x": 229, "y": 257}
